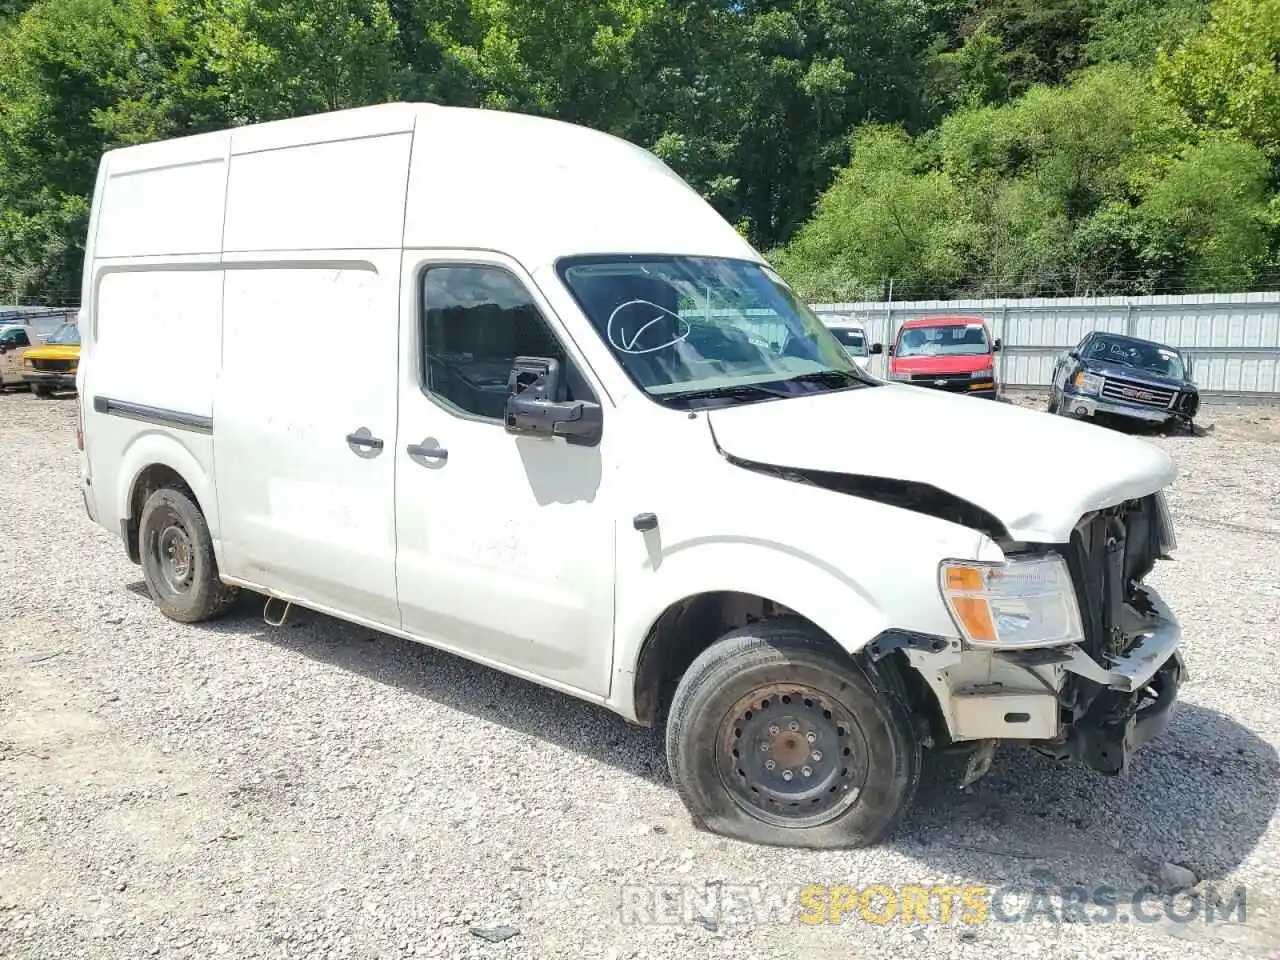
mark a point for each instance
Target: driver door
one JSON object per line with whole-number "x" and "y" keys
{"x": 505, "y": 543}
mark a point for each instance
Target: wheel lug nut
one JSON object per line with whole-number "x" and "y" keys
{"x": 787, "y": 775}
{"x": 793, "y": 726}
{"x": 807, "y": 771}
{"x": 764, "y": 747}
{"x": 811, "y": 737}
{"x": 769, "y": 764}
{"x": 773, "y": 729}
{"x": 816, "y": 756}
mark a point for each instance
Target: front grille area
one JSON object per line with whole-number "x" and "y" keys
{"x": 946, "y": 381}
{"x": 1128, "y": 391}
{"x": 1137, "y": 526}
{"x": 54, "y": 366}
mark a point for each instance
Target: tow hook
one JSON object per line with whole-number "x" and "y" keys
{"x": 979, "y": 763}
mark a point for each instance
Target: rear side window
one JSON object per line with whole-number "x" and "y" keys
{"x": 15, "y": 338}
{"x": 476, "y": 319}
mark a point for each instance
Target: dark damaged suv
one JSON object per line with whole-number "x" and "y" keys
{"x": 1111, "y": 374}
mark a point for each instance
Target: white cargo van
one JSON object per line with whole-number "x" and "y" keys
{"x": 509, "y": 387}
{"x": 853, "y": 337}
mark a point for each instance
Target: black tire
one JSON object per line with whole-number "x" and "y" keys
{"x": 1053, "y": 402}
{"x": 712, "y": 742}
{"x": 42, "y": 392}
{"x": 177, "y": 559}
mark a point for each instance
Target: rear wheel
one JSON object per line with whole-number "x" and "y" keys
{"x": 177, "y": 559}
{"x": 776, "y": 737}
{"x": 41, "y": 391}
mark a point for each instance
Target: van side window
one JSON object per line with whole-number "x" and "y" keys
{"x": 15, "y": 338}
{"x": 476, "y": 319}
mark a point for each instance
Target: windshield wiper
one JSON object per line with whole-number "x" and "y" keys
{"x": 746, "y": 391}
{"x": 834, "y": 378}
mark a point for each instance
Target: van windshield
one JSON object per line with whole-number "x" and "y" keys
{"x": 952, "y": 339}
{"x": 698, "y": 331}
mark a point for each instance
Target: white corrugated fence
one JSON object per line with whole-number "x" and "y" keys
{"x": 1233, "y": 339}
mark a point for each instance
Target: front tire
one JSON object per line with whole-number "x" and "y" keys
{"x": 776, "y": 737}
{"x": 177, "y": 559}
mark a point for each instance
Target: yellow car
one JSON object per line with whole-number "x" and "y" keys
{"x": 52, "y": 365}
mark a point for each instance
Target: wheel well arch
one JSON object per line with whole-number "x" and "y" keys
{"x": 686, "y": 628}
{"x": 690, "y": 625}
{"x": 153, "y": 477}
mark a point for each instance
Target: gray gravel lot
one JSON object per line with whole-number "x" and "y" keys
{"x": 317, "y": 791}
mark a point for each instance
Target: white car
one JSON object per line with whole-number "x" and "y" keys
{"x": 511, "y": 388}
{"x": 853, "y": 337}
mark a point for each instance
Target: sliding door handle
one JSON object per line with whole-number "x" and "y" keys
{"x": 363, "y": 443}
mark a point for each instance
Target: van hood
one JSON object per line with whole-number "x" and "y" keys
{"x": 1035, "y": 473}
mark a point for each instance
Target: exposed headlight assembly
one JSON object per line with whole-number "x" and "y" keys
{"x": 1023, "y": 602}
{"x": 1088, "y": 382}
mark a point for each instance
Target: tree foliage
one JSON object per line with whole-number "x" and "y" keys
{"x": 957, "y": 146}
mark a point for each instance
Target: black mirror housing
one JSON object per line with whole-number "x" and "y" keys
{"x": 890, "y": 350}
{"x": 877, "y": 349}
{"x": 535, "y": 410}
{"x": 997, "y": 345}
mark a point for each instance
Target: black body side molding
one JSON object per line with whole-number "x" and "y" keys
{"x": 156, "y": 415}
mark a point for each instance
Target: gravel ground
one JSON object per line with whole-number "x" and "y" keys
{"x": 317, "y": 791}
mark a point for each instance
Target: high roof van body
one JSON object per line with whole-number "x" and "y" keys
{"x": 509, "y": 387}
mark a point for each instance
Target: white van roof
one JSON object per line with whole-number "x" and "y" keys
{"x": 843, "y": 322}
{"x": 402, "y": 174}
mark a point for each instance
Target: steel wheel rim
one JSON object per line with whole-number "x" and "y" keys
{"x": 175, "y": 556}
{"x": 779, "y": 729}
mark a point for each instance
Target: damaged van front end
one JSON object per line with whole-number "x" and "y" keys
{"x": 1058, "y": 641}
{"x": 1106, "y": 683}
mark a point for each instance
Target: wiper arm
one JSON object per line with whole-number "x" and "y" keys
{"x": 835, "y": 378}
{"x": 731, "y": 390}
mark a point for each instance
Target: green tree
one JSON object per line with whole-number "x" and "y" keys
{"x": 1208, "y": 217}
{"x": 78, "y": 77}
{"x": 1226, "y": 76}
{"x": 1136, "y": 31}
{"x": 284, "y": 58}
{"x": 885, "y": 216}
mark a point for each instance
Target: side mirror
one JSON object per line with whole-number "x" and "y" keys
{"x": 4, "y": 348}
{"x": 877, "y": 349}
{"x": 995, "y": 348}
{"x": 533, "y": 410}
{"x": 889, "y": 350}
{"x": 1072, "y": 355}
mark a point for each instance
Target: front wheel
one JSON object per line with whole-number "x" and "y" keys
{"x": 776, "y": 737}
{"x": 177, "y": 559}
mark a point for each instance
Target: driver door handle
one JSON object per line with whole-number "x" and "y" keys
{"x": 427, "y": 452}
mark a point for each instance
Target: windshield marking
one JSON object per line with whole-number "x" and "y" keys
{"x": 629, "y": 347}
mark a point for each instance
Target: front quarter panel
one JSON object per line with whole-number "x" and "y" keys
{"x": 852, "y": 566}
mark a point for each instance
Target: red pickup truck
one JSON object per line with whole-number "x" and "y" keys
{"x": 956, "y": 354}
